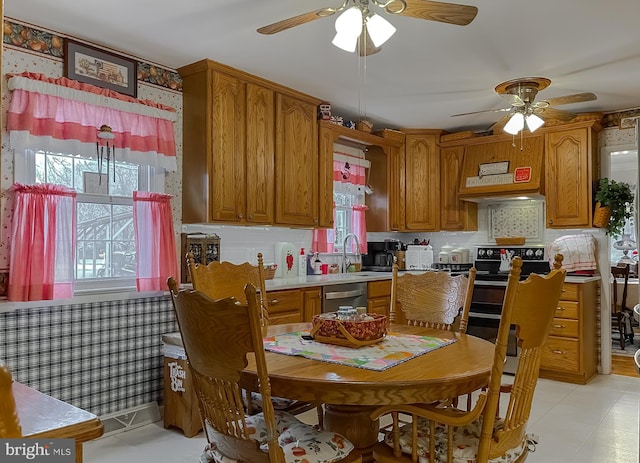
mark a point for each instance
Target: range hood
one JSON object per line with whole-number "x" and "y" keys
{"x": 500, "y": 170}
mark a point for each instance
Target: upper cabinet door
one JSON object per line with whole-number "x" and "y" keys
{"x": 260, "y": 151}
{"x": 568, "y": 176}
{"x": 296, "y": 162}
{"x": 326, "y": 139}
{"x": 455, "y": 214}
{"x": 227, "y": 176}
{"x": 422, "y": 181}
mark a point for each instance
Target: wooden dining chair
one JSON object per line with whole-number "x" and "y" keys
{"x": 479, "y": 435}
{"x": 225, "y": 279}
{"x": 218, "y": 336}
{"x": 620, "y": 316}
{"x": 432, "y": 299}
{"x": 9, "y": 422}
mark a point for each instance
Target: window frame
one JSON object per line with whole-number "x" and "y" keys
{"x": 150, "y": 178}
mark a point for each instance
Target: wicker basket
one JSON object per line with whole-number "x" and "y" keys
{"x": 601, "y": 216}
{"x": 270, "y": 271}
{"x": 328, "y": 329}
{"x": 364, "y": 126}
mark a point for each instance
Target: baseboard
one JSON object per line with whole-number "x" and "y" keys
{"x": 131, "y": 418}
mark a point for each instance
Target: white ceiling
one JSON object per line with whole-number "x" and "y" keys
{"x": 425, "y": 73}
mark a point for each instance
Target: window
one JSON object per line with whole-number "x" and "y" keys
{"x": 345, "y": 196}
{"x": 105, "y": 242}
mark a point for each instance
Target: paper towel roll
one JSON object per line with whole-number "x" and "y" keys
{"x": 286, "y": 258}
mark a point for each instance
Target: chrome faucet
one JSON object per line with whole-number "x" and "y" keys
{"x": 346, "y": 263}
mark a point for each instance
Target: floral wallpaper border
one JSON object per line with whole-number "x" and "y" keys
{"x": 48, "y": 43}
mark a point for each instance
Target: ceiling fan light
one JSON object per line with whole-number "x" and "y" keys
{"x": 515, "y": 124}
{"x": 345, "y": 42}
{"x": 350, "y": 22}
{"x": 380, "y": 30}
{"x": 534, "y": 122}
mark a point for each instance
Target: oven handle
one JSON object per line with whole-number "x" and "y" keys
{"x": 490, "y": 316}
{"x": 344, "y": 294}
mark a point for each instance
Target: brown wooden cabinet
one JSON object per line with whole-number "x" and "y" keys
{"x": 422, "y": 180}
{"x": 297, "y": 162}
{"x": 379, "y": 151}
{"x": 293, "y": 305}
{"x": 241, "y": 132}
{"x": 379, "y": 297}
{"x": 312, "y": 303}
{"x": 570, "y": 353}
{"x": 571, "y": 168}
{"x": 455, "y": 214}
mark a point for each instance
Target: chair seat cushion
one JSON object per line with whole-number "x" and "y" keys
{"x": 465, "y": 442}
{"x": 299, "y": 441}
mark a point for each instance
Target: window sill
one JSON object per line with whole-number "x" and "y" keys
{"x": 82, "y": 297}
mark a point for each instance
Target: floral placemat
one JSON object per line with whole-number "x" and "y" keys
{"x": 392, "y": 350}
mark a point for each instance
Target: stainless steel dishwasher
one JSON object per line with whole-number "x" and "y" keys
{"x": 353, "y": 294}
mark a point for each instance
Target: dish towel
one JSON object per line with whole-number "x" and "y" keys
{"x": 579, "y": 252}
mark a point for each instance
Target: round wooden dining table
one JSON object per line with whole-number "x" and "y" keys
{"x": 350, "y": 394}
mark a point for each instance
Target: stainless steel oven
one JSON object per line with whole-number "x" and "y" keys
{"x": 490, "y": 286}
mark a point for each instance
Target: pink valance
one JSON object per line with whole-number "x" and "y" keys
{"x": 347, "y": 172}
{"x": 63, "y": 115}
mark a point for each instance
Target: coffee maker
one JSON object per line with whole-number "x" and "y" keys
{"x": 380, "y": 255}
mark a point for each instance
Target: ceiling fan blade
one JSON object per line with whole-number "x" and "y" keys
{"x": 569, "y": 99}
{"x": 484, "y": 111}
{"x": 365, "y": 45}
{"x": 296, "y": 21}
{"x": 451, "y": 13}
{"x": 551, "y": 113}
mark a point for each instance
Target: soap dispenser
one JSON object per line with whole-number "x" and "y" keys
{"x": 302, "y": 263}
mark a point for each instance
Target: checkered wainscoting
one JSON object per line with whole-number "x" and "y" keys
{"x": 102, "y": 357}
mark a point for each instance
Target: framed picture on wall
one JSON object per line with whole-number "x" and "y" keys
{"x": 100, "y": 68}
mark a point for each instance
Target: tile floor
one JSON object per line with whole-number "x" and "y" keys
{"x": 596, "y": 423}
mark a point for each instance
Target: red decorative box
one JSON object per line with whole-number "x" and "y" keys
{"x": 372, "y": 328}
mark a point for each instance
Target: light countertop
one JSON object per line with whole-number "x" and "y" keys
{"x": 325, "y": 280}
{"x": 357, "y": 277}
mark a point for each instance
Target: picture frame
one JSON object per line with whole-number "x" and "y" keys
{"x": 101, "y": 68}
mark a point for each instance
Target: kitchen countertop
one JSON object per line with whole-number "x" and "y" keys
{"x": 325, "y": 280}
{"x": 358, "y": 277}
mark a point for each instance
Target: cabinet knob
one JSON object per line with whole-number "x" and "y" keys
{"x": 550, "y": 222}
{"x": 558, "y": 351}
{"x": 250, "y": 216}
{"x": 240, "y": 216}
{"x": 273, "y": 301}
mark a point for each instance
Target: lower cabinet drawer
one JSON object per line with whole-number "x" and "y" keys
{"x": 567, "y": 309}
{"x": 379, "y": 288}
{"x": 285, "y": 301}
{"x": 565, "y": 328}
{"x": 561, "y": 354}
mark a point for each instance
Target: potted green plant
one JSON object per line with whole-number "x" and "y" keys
{"x": 617, "y": 197}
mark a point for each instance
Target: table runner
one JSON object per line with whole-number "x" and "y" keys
{"x": 392, "y": 350}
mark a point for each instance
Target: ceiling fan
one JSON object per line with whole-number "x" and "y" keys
{"x": 520, "y": 94}
{"x": 358, "y": 17}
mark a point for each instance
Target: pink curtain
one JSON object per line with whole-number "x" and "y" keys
{"x": 360, "y": 226}
{"x": 155, "y": 241}
{"x": 346, "y": 172}
{"x": 63, "y": 115}
{"x": 43, "y": 239}
{"x": 322, "y": 239}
